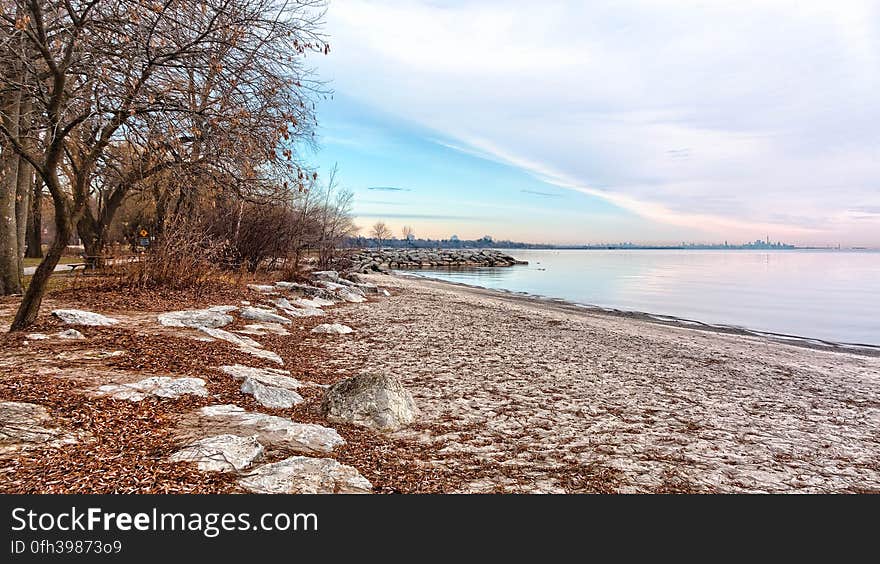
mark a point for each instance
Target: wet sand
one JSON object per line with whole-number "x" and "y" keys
{"x": 529, "y": 395}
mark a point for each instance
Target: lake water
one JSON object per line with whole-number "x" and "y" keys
{"x": 829, "y": 295}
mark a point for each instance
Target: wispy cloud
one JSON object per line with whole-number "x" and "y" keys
{"x": 543, "y": 194}
{"x": 389, "y": 189}
{"x": 418, "y": 216}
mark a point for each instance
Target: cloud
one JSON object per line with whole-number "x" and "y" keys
{"x": 389, "y": 189}
{"x": 543, "y": 194}
{"x": 718, "y": 117}
{"x": 418, "y": 216}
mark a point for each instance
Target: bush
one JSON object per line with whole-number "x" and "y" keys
{"x": 184, "y": 257}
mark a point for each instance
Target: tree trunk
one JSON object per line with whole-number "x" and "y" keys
{"x": 33, "y": 297}
{"x": 22, "y": 203}
{"x": 10, "y": 262}
{"x": 93, "y": 231}
{"x": 35, "y": 222}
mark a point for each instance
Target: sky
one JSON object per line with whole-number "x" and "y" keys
{"x": 651, "y": 121}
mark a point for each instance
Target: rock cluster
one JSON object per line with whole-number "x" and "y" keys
{"x": 386, "y": 259}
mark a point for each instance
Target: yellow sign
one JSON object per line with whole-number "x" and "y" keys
{"x": 144, "y": 233}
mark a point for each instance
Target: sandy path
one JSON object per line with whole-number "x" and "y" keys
{"x": 537, "y": 397}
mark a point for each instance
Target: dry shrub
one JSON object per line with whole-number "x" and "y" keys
{"x": 184, "y": 257}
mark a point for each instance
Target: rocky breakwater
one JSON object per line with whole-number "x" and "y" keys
{"x": 386, "y": 259}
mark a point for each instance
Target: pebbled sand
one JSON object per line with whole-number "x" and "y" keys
{"x": 533, "y": 396}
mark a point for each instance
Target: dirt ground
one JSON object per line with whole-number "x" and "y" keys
{"x": 516, "y": 395}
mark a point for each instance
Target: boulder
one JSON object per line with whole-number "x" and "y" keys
{"x": 157, "y": 386}
{"x": 269, "y": 376}
{"x": 269, "y": 386}
{"x": 295, "y": 310}
{"x": 305, "y": 475}
{"x": 377, "y": 401}
{"x": 263, "y": 314}
{"x": 80, "y": 317}
{"x": 261, "y": 288}
{"x": 333, "y": 329}
{"x": 305, "y": 289}
{"x": 367, "y": 288}
{"x": 270, "y": 396}
{"x": 197, "y": 318}
{"x": 326, "y": 275}
{"x": 351, "y": 296}
{"x": 71, "y": 334}
{"x": 221, "y": 453}
{"x": 24, "y": 425}
{"x": 264, "y": 354}
{"x": 271, "y": 430}
{"x": 224, "y": 335}
{"x": 263, "y": 329}
{"x": 313, "y": 303}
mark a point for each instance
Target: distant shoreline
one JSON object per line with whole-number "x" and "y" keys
{"x": 655, "y": 318}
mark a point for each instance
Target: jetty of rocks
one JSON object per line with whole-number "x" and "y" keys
{"x": 365, "y": 261}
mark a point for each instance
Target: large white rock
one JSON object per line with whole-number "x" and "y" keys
{"x": 326, "y": 275}
{"x": 264, "y": 354}
{"x": 333, "y": 329}
{"x": 269, "y": 376}
{"x": 305, "y": 475}
{"x": 271, "y": 430}
{"x": 71, "y": 334}
{"x": 158, "y": 386}
{"x": 296, "y": 310}
{"x": 351, "y": 297}
{"x": 367, "y": 288}
{"x": 263, "y": 314}
{"x": 270, "y": 396}
{"x": 310, "y": 303}
{"x": 25, "y": 425}
{"x": 224, "y": 308}
{"x": 262, "y": 288}
{"x": 245, "y": 344}
{"x": 332, "y": 286}
{"x": 37, "y": 336}
{"x": 349, "y": 293}
{"x": 263, "y": 329}
{"x": 197, "y": 318}
{"x": 221, "y": 453}
{"x": 269, "y": 386}
{"x": 224, "y": 335}
{"x": 377, "y": 401}
{"x": 80, "y": 317}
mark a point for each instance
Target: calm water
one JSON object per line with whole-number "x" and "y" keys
{"x": 830, "y": 295}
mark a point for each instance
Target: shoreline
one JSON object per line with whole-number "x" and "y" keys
{"x": 527, "y": 395}
{"x": 660, "y": 319}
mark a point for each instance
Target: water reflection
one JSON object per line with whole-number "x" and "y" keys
{"x": 828, "y": 295}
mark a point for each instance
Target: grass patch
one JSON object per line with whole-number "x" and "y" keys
{"x": 28, "y": 262}
{"x": 58, "y": 281}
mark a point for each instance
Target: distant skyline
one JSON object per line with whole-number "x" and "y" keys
{"x": 571, "y": 122}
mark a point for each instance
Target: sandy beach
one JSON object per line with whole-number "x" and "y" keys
{"x": 524, "y": 395}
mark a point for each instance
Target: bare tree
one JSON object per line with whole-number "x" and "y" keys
{"x": 380, "y": 233}
{"x": 407, "y": 232}
{"x": 335, "y": 220}
{"x": 123, "y": 90}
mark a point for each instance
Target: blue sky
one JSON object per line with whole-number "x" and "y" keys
{"x": 639, "y": 120}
